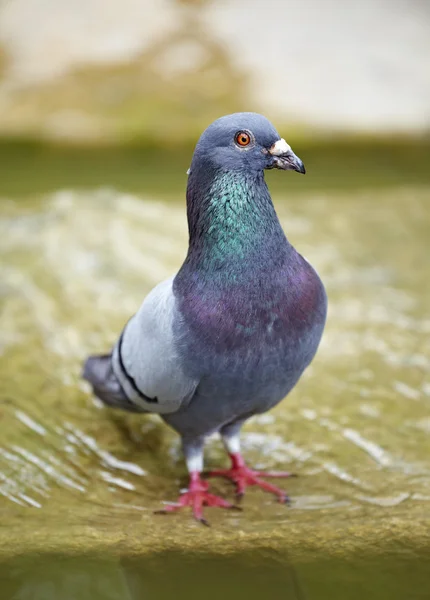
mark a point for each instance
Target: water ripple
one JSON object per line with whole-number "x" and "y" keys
{"x": 75, "y": 265}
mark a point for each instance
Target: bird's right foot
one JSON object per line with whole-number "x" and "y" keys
{"x": 197, "y": 496}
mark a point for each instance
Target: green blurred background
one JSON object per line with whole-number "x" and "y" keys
{"x": 109, "y": 92}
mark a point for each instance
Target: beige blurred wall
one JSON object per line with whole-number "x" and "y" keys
{"x": 335, "y": 64}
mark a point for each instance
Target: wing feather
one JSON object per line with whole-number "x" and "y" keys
{"x": 146, "y": 359}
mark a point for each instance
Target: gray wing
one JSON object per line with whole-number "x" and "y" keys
{"x": 145, "y": 359}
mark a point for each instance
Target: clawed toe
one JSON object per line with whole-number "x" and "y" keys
{"x": 285, "y": 500}
{"x": 243, "y": 477}
{"x": 197, "y": 497}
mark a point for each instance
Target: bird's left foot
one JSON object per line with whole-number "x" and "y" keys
{"x": 244, "y": 477}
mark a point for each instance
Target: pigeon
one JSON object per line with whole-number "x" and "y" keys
{"x": 229, "y": 335}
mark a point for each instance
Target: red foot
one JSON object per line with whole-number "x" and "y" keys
{"x": 244, "y": 477}
{"x": 197, "y": 496}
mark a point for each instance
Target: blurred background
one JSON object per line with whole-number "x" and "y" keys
{"x": 110, "y": 73}
{"x": 105, "y": 70}
{"x": 101, "y": 104}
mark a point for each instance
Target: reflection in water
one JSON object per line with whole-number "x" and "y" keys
{"x": 77, "y": 265}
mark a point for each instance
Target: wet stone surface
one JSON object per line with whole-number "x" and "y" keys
{"x": 78, "y": 478}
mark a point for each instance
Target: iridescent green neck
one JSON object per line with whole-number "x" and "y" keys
{"x": 232, "y": 219}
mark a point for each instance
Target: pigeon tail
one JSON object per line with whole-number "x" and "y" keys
{"x": 99, "y": 373}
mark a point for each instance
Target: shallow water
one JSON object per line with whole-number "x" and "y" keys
{"x": 78, "y": 480}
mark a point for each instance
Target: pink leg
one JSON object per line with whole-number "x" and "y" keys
{"x": 196, "y": 497}
{"x": 244, "y": 477}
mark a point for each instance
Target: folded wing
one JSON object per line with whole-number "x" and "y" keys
{"x": 145, "y": 367}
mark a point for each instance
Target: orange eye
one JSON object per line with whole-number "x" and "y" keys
{"x": 242, "y": 138}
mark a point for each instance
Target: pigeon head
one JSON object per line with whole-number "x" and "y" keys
{"x": 244, "y": 142}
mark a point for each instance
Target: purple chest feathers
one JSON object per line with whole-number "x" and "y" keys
{"x": 270, "y": 310}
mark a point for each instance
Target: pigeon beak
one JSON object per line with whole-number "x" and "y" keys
{"x": 284, "y": 158}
